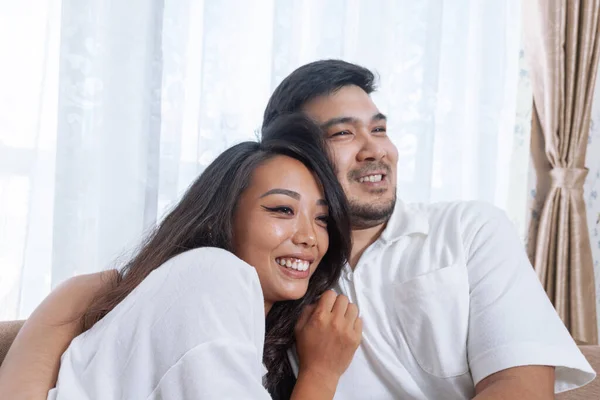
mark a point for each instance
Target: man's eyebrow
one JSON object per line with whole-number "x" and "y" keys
{"x": 286, "y": 192}
{"x": 350, "y": 120}
{"x": 379, "y": 117}
{"x": 338, "y": 120}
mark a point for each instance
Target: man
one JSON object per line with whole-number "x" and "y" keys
{"x": 450, "y": 303}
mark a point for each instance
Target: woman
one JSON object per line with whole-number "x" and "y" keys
{"x": 186, "y": 318}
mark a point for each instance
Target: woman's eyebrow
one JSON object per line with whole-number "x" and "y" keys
{"x": 286, "y": 192}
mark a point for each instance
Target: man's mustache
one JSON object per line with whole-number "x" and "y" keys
{"x": 367, "y": 169}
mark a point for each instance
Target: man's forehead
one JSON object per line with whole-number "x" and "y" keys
{"x": 348, "y": 102}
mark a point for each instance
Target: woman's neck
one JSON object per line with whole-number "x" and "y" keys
{"x": 268, "y": 306}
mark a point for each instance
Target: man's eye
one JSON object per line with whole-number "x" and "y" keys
{"x": 323, "y": 218}
{"x": 380, "y": 129}
{"x": 342, "y": 133}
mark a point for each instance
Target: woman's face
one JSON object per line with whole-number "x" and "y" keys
{"x": 280, "y": 227}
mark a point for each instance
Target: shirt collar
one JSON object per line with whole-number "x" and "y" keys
{"x": 405, "y": 220}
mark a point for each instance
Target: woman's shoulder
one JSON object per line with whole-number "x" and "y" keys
{"x": 213, "y": 262}
{"x": 201, "y": 291}
{"x": 208, "y": 255}
{"x": 211, "y": 269}
{"x": 202, "y": 284}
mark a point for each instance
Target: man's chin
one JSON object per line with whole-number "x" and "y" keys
{"x": 377, "y": 200}
{"x": 375, "y": 192}
{"x": 369, "y": 214}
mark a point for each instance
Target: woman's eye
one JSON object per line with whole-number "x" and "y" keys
{"x": 280, "y": 210}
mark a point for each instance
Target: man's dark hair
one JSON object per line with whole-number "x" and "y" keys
{"x": 313, "y": 80}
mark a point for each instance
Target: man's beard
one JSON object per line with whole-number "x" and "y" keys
{"x": 366, "y": 215}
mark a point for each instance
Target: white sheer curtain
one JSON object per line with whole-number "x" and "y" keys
{"x": 110, "y": 108}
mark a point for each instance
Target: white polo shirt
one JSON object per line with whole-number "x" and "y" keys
{"x": 448, "y": 297}
{"x": 193, "y": 329}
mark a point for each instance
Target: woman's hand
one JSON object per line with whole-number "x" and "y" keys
{"x": 31, "y": 366}
{"x": 327, "y": 336}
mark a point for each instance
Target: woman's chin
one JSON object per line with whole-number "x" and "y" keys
{"x": 292, "y": 294}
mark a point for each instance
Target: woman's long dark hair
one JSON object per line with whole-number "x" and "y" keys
{"x": 204, "y": 218}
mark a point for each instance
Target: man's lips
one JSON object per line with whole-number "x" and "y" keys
{"x": 372, "y": 177}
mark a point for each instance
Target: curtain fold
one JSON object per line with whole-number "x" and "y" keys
{"x": 562, "y": 42}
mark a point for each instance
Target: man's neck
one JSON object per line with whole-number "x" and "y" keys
{"x": 361, "y": 239}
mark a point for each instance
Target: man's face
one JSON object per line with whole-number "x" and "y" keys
{"x": 364, "y": 156}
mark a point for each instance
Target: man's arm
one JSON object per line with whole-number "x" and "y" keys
{"x": 515, "y": 336}
{"x": 31, "y": 366}
{"x": 528, "y": 382}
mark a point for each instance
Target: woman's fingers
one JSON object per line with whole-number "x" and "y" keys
{"x": 351, "y": 313}
{"x": 340, "y": 306}
{"x": 327, "y": 301}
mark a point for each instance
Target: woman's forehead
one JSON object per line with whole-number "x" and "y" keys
{"x": 283, "y": 172}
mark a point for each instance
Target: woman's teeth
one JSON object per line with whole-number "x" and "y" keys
{"x": 371, "y": 178}
{"x": 293, "y": 263}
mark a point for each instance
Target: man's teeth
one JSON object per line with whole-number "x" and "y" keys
{"x": 293, "y": 263}
{"x": 371, "y": 178}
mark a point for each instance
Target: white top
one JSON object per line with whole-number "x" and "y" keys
{"x": 193, "y": 329}
{"x": 448, "y": 297}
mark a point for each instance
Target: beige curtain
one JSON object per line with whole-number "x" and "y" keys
{"x": 562, "y": 43}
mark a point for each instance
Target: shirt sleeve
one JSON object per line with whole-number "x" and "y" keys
{"x": 193, "y": 329}
{"x": 217, "y": 323}
{"x": 511, "y": 320}
{"x": 221, "y": 369}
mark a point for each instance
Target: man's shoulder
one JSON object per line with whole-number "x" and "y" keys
{"x": 464, "y": 214}
{"x": 466, "y": 226}
{"x": 445, "y": 230}
{"x": 445, "y": 208}
{"x": 454, "y": 223}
